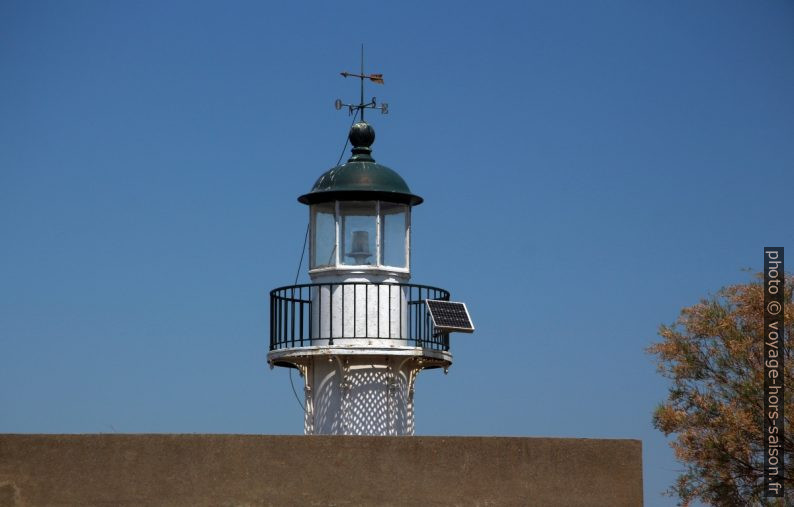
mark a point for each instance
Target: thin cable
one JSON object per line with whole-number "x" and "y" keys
{"x": 347, "y": 139}
{"x": 295, "y": 392}
{"x": 303, "y": 253}
{"x": 306, "y": 236}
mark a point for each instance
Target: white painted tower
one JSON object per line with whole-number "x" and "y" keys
{"x": 360, "y": 332}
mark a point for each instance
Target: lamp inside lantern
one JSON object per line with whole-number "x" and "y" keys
{"x": 360, "y": 247}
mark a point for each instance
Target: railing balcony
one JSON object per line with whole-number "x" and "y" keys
{"x": 355, "y": 314}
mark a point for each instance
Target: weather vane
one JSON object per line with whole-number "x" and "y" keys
{"x": 361, "y": 106}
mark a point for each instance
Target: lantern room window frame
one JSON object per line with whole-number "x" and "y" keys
{"x": 377, "y": 255}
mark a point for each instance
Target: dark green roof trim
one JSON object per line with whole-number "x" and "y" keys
{"x": 361, "y": 178}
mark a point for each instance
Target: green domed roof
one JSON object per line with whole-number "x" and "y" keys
{"x": 361, "y": 178}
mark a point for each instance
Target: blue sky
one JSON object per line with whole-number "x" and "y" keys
{"x": 588, "y": 169}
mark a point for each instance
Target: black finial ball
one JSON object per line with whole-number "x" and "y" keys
{"x": 362, "y": 135}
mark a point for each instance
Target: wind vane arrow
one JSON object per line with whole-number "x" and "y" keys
{"x": 375, "y": 78}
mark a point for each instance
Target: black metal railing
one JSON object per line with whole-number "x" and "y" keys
{"x": 328, "y": 313}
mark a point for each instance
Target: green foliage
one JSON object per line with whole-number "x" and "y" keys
{"x": 713, "y": 354}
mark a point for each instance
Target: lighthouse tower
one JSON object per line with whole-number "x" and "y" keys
{"x": 360, "y": 332}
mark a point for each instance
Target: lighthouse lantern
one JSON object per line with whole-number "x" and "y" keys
{"x": 365, "y": 234}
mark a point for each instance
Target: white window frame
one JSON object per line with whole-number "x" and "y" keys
{"x": 312, "y": 245}
{"x": 377, "y": 267}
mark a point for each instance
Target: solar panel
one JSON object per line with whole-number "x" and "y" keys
{"x": 449, "y": 316}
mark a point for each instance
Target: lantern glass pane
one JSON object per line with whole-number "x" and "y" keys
{"x": 357, "y": 228}
{"x": 394, "y": 234}
{"x": 323, "y": 235}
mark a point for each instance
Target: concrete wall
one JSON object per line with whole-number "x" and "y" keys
{"x": 249, "y": 470}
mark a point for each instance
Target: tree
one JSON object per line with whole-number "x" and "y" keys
{"x": 713, "y": 355}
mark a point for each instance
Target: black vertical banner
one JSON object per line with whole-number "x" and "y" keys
{"x": 774, "y": 278}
